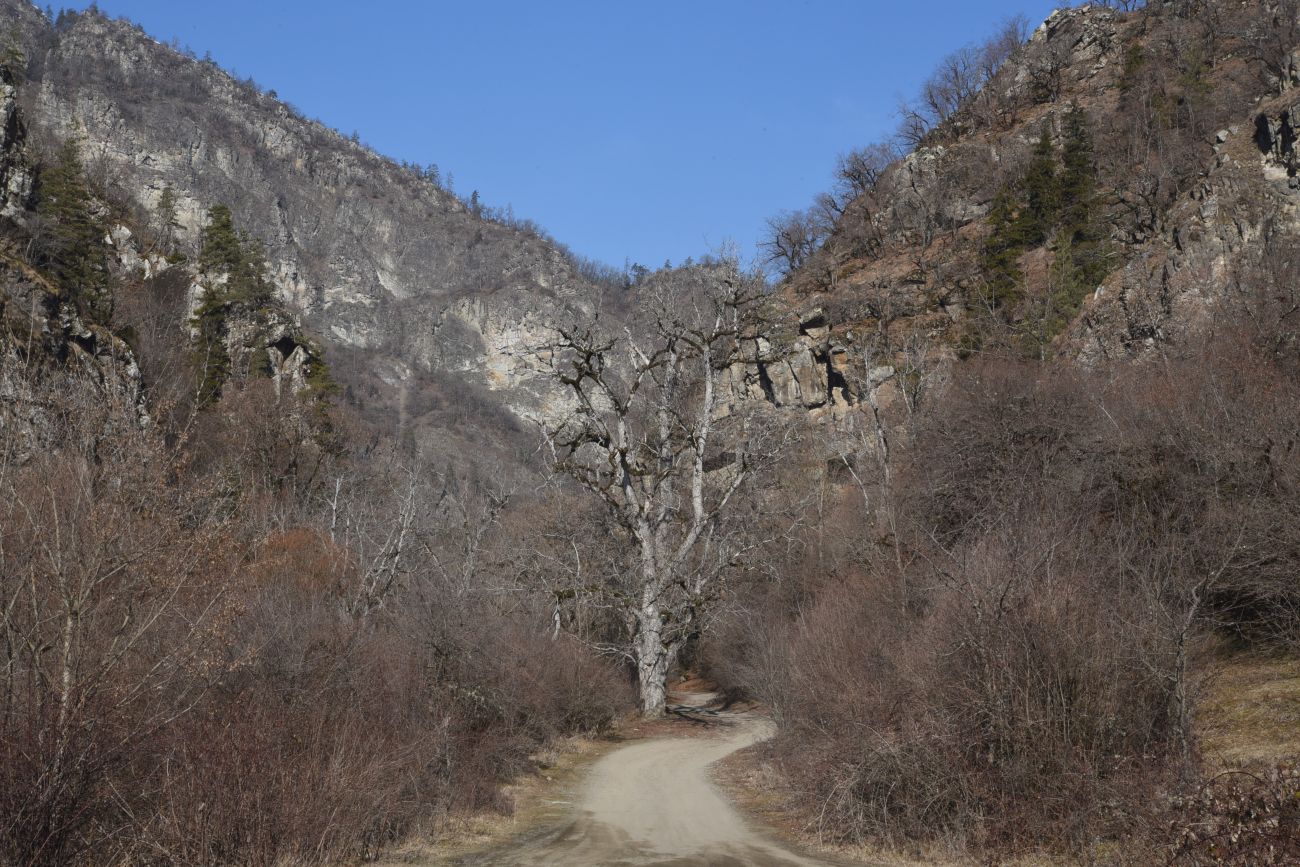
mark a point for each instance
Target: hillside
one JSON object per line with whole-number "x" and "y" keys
{"x": 427, "y": 309}
{"x": 931, "y": 247}
{"x": 332, "y": 504}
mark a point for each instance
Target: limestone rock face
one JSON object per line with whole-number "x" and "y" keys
{"x": 1276, "y": 135}
{"x": 45, "y": 333}
{"x": 372, "y": 255}
{"x": 1173, "y": 283}
{"x": 16, "y": 179}
{"x": 1078, "y": 42}
{"x": 41, "y": 331}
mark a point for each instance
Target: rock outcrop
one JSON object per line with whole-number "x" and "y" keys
{"x": 373, "y": 256}
{"x": 901, "y": 282}
{"x": 41, "y": 330}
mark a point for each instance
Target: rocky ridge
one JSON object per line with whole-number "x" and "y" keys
{"x": 910, "y": 303}
{"x": 371, "y": 255}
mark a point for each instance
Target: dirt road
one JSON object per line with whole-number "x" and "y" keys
{"x": 652, "y": 803}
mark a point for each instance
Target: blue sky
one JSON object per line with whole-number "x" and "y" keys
{"x": 647, "y": 131}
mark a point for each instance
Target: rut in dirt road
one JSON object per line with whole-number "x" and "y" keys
{"x": 652, "y": 803}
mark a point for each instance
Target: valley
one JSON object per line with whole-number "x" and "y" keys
{"x": 342, "y": 514}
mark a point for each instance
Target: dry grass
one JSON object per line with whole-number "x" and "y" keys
{"x": 537, "y": 799}
{"x": 759, "y": 788}
{"x": 1251, "y": 711}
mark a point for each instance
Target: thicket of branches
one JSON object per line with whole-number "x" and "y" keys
{"x": 201, "y": 664}
{"x": 1002, "y": 644}
{"x": 241, "y": 629}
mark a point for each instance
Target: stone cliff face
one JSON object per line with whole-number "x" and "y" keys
{"x": 1194, "y": 132}
{"x": 427, "y": 305}
{"x": 1176, "y": 281}
{"x": 41, "y": 330}
{"x": 373, "y": 256}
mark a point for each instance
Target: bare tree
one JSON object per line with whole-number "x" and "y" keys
{"x": 794, "y": 236}
{"x": 959, "y": 82}
{"x": 651, "y": 437}
{"x": 1047, "y": 70}
{"x": 858, "y": 171}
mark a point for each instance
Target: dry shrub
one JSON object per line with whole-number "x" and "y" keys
{"x": 332, "y": 736}
{"x": 1239, "y": 818}
{"x": 185, "y": 677}
{"x": 1007, "y": 712}
{"x": 1015, "y": 668}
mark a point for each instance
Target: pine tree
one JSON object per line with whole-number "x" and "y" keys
{"x": 72, "y": 244}
{"x": 1002, "y": 250}
{"x": 235, "y": 283}
{"x": 166, "y": 218}
{"x": 1078, "y": 187}
{"x": 248, "y": 286}
{"x": 1042, "y": 192}
{"x": 239, "y": 259}
{"x": 221, "y": 259}
{"x": 1082, "y": 246}
{"x": 219, "y": 249}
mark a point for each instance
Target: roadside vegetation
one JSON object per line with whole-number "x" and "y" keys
{"x": 234, "y": 628}
{"x": 1019, "y": 622}
{"x": 999, "y": 603}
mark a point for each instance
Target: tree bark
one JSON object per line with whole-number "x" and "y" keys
{"x": 652, "y": 662}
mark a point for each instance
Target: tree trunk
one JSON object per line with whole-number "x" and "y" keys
{"x": 652, "y": 662}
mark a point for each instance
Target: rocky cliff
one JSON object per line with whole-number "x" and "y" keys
{"x": 405, "y": 284}
{"x": 1190, "y": 119}
{"x": 42, "y": 331}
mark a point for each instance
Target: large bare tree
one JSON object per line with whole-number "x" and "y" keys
{"x": 655, "y": 433}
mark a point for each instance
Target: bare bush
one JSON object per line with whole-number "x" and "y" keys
{"x": 199, "y": 668}
{"x": 112, "y": 609}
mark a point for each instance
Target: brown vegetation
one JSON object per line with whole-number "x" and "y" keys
{"x": 202, "y": 664}
{"x": 1012, "y": 657}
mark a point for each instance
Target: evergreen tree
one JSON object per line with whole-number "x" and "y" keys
{"x": 167, "y": 219}
{"x": 248, "y": 285}
{"x": 1082, "y": 248}
{"x": 219, "y": 249}
{"x": 234, "y": 269}
{"x": 1042, "y": 192}
{"x": 1002, "y": 250}
{"x": 72, "y": 244}
{"x": 1058, "y": 203}
{"x": 233, "y": 256}
{"x": 1078, "y": 186}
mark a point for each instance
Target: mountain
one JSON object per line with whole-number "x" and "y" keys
{"x": 1096, "y": 191}
{"x": 431, "y": 312}
{"x": 427, "y": 308}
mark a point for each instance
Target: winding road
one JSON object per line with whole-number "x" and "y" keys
{"x": 652, "y": 803}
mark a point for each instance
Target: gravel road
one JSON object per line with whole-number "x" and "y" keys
{"x": 652, "y": 803}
